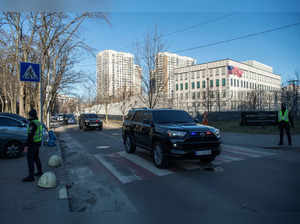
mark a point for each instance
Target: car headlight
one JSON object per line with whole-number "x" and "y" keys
{"x": 217, "y": 132}
{"x": 172, "y": 133}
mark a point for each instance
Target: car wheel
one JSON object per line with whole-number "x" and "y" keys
{"x": 207, "y": 159}
{"x": 129, "y": 145}
{"x": 159, "y": 157}
{"x": 13, "y": 149}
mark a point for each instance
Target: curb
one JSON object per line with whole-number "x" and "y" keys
{"x": 63, "y": 193}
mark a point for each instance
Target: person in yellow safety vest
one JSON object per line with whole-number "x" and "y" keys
{"x": 284, "y": 123}
{"x": 32, "y": 146}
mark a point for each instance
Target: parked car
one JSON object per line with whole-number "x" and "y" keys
{"x": 13, "y": 136}
{"x": 90, "y": 121}
{"x": 16, "y": 116}
{"x": 69, "y": 119}
{"x": 170, "y": 134}
{"x": 60, "y": 117}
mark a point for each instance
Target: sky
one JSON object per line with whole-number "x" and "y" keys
{"x": 279, "y": 49}
{"x": 215, "y": 20}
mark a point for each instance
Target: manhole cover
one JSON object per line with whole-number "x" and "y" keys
{"x": 103, "y": 147}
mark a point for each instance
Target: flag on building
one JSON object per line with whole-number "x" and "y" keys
{"x": 234, "y": 70}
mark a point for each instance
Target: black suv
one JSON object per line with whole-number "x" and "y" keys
{"x": 90, "y": 121}
{"x": 169, "y": 134}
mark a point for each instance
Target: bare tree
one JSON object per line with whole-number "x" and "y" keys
{"x": 146, "y": 56}
{"x": 48, "y": 38}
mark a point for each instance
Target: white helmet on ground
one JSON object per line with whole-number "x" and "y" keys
{"x": 55, "y": 161}
{"x": 47, "y": 180}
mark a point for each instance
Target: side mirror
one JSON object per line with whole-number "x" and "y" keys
{"x": 22, "y": 125}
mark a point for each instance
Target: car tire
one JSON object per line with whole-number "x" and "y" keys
{"x": 207, "y": 159}
{"x": 159, "y": 158}
{"x": 129, "y": 144}
{"x": 13, "y": 149}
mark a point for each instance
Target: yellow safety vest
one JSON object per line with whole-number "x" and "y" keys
{"x": 284, "y": 117}
{"x": 39, "y": 131}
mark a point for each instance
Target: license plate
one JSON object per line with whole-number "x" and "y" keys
{"x": 203, "y": 152}
{"x": 93, "y": 125}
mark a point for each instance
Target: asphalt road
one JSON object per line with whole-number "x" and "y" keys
{"x": 247, "y": 184}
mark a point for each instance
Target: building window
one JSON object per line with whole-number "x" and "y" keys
{"x": 181, "y": 96}
{"x": 193, "y": 85}
{"x": 204, "y": 95}
{"x": 231, "y": 82}
{"x": 186, "y": 85}
{"x": 224, "y": 94}
{"x": 198, "y": 84}
{"x": 223, "y": 82}
{"x": 185, "y": 76}
{"x": 238, "y": 83}
{"x": 180, "y": 76}
{"x": 211, "y": 83}
{"x": 186, "y": 95}
{"x": 176, "y": 87}
{"x": 234, "y": 81}
{"x": 198, "y": 74}
{"x": 223, "y": 70}
{"x": 217, "y": 82}
{"x": 181, "y": 86}
{"x": 193, "y": 75}
{"x": 198, "y": 95}
{"x": 194, "y": 95}
{"x": 203, "y": 84}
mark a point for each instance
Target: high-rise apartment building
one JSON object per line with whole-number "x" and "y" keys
{"x": 115, "y": 72}
{"x": 166, "y": 63}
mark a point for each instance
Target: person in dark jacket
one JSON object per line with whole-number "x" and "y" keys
{"x": 34, "y": 140}
{"x": 284, "y": 120}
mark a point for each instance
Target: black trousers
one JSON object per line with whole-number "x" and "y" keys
{"x": 286, "y": 126}
{"x": 33, "y": 157}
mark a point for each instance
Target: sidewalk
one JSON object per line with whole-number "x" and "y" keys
{"x": 20, "y": 200}
{"x": 259, "y": 140}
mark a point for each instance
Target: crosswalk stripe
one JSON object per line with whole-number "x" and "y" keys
{"x": 250, "y": 150}
{"x": 231, "y": 158}
{"x": 242, "y": 153}
{"x": 145, "y": 164}
{"x": 121, "y": 177}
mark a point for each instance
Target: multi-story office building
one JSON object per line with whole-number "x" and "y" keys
{"x": 226, "y": 85}
{"x": 115, "y": 72}
{"x": 166, "y": 63}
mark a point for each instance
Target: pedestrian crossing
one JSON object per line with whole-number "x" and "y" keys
{"x": 127, "y": 168}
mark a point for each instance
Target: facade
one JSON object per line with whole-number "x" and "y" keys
{"x": 226, "y": 85}
{"x": 166, "y": 63}
{"x": 115, "y": 71}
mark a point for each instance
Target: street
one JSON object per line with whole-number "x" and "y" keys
{"x": 253, "y": 183}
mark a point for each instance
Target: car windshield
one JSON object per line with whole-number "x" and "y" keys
{"x": 69, "y": 115}
{"x": 91, "y": 116}
{"x": 172, "y": 116}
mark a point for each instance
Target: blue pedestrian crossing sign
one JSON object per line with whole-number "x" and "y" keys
{"x": 29, "y": 72}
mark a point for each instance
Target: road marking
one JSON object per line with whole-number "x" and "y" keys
{"x": 103, "y": 147}
{"x": 264, "y": 153}
{"x": 145, "y": 164}
{"x": 230, "y": 158}
{"x": 121, "y": 177}
{"x": 236, "y": 151}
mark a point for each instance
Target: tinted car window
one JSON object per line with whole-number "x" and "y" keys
{"x": 138, "y": 116}
{"x": 91, "y": 116}
{"x": 129, "y": 115}
{"x": 172, "y": 116}
{"x": 8, "y": 122}
{"x": 148, "y": 116}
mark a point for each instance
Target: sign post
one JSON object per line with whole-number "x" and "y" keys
{"x": 30, "y": 72}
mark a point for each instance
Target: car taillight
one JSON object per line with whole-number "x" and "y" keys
{"x": 97, "y": 121}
